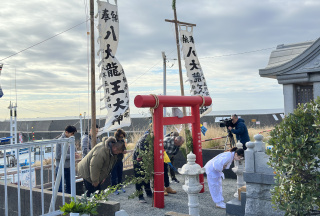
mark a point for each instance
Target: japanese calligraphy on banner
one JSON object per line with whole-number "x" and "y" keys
{"x": 108, "y": 28}
{"x": 114, "y": 82}
{"x": 195, "y": 74}
{"x": 1, "y": 92}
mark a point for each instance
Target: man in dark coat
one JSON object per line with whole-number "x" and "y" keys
{"x": 69, "y": 131}
{"x": 171, "y": 145}
{"x": 116, "y": 173}
{"x": 142, "y": 145}
{"x": 240, "y": 130}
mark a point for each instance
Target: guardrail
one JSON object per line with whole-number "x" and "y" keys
{"x": 127, "y": 161}
{"x": 55, "y": 184}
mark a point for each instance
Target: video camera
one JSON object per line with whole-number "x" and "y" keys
{"x": 226, "y": 123}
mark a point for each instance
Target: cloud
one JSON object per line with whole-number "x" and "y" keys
{"x": 232, "y": 40}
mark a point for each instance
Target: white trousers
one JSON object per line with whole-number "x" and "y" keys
{"x": 215, "y": 187}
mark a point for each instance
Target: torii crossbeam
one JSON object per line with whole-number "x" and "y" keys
{"x": 157, "y": 103}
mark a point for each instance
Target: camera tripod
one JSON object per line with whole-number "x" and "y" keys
{"x": 229, "y": 140}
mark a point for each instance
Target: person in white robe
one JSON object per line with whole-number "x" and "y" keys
{"x": 215, "y": 175}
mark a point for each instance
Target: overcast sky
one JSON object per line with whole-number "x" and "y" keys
{"x": 233, "y": 39}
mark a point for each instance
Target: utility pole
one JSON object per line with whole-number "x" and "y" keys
{"x": 13, "y": 126}
{"x": 164, "y": 86}
{"x": 93, "y": 81}
{"x": 176, "y": 22}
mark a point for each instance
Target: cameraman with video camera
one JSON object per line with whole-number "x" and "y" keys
{"x": 240, "y": 130}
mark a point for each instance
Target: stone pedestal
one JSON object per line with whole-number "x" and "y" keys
{"x": 238, "y": 170}
{"x": 191, "y": 171}
{"x": 259, "y": 178}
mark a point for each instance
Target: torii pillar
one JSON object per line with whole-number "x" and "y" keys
{"x": 158, "y": 102}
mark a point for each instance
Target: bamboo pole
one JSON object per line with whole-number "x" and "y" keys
{"x": 164, "y": 87}
{"x": 93, "y": 83}
{"x": 179, "y": 59}
{"x": 176, "y": 22}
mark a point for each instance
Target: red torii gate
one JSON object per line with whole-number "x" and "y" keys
{"x": 157, "y": 103}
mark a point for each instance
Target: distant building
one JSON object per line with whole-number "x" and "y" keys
{"x": 50, "y": 128}
{"x": 297, "y": 68}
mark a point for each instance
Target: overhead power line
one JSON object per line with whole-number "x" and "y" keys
{"x": 43, "y": 41}
{"x": 241, "y": 53}
{"x": 226, "y": 55}
{"x": 148, "y": 70}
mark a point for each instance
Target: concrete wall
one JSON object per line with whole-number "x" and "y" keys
{"x": 264, "y": 119}
{"x": 107, "y": 208}
{"x": 50, "y": 129}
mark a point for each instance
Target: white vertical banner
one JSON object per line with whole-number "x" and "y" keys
{"x": 108, "y": 27}
{"x": 114, "y": 82}
{"x": 195, "y": 74}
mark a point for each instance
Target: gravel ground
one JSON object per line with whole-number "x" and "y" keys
{"x": 175, "y": 202}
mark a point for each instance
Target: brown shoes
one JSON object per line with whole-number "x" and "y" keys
{"x": 169, "y": 190}
{"x": 165, "y": 192}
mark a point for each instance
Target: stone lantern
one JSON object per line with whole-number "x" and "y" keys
{"x": 191, "y": 171}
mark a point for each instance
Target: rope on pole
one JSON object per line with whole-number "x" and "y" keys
{"x": 265, "y": 131}
{"x": 213, "y": 139}
{"x": 203, "y": 101}
{"x": 226, "y": 136}
{"x": 157, "y": 101}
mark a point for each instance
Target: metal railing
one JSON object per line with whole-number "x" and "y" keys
{"x": 127, "y": 161}
{"x": 55, "y": 184}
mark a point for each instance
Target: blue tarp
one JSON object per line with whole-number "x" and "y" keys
{"x": 5, "y": 139}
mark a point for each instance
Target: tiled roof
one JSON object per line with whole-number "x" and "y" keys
{"x": 285, "y": 53}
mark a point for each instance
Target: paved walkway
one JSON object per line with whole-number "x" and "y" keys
{"x": 175, "y": 202}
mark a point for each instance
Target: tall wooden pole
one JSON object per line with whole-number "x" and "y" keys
{"x": 179, "y": 59}
{"x": 93, "y": 81}
{"x": 164, "y": 87}
{"x": 176, "y": 22}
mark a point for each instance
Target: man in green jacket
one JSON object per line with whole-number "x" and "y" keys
{"x": 95, "y": 167}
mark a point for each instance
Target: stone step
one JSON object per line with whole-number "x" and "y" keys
{"x": 237, "y": 207}
{"x": 171, "y": 213}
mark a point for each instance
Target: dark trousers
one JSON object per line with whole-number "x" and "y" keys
{"x": 116, "y": 173}
{"x": 243, "y": 145}
{"x": 139, "y": 186}
{"x": 166, "y": 176}
{"x": 90, "y": 188}
{"x": 172, "y": 172}
{"x": 66, "y": 180}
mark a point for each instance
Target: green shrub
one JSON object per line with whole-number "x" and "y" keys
{"x": 295, "y": 160}
{"x": 189, "y": 144}
{"x": 147, "y": 166}
{"x": 88, "y": 205}
{"x": 77, "y": 206}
